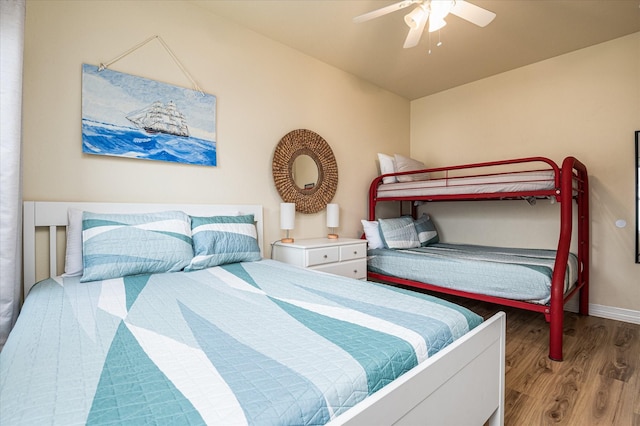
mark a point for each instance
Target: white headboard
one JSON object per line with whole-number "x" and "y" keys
{"x": 54, "y": 214}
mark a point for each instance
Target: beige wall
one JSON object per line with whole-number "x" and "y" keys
{"x": 264, "y": 90}
{"x": 584, "y": 104}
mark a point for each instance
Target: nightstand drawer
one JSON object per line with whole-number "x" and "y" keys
{"x": 355, "y": 251}
{"x": 343, "y": 256}
{"x": 319, "y": 256}
{"x": 353, "y": 268}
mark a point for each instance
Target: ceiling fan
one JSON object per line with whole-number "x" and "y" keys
{"x": 433, "y": 11}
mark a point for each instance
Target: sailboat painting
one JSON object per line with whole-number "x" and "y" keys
{"x": 129, "y": 116}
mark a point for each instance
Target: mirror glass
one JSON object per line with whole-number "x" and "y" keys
{"x": 305, "y": 172}
{"x": 637, "y": 196}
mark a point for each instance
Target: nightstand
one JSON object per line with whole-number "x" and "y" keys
{"x": 342, "y": 256}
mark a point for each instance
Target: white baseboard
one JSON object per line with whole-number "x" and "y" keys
{"x": 609, "y": 312}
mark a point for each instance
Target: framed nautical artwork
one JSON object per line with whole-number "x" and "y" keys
{"x": 128, "y": 116}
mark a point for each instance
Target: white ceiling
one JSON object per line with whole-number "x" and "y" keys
{"x": 523, "y": 32}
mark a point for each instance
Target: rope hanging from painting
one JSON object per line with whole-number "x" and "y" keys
{"x": 103, "y": 66}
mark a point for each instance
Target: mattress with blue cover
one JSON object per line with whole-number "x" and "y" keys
{"x": 244, "y": 343}
{"x": 512, "y": 273}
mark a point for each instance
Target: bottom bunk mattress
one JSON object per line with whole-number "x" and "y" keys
{"x": 511, "y": 273}
{"x": 246, "y": 343}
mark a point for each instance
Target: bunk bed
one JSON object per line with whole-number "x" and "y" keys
{"x": 530, "y": 179}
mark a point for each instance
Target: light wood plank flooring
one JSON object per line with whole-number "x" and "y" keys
{"x": 598, "y": 383}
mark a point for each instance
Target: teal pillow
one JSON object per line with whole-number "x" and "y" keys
{"x": 117, "y": 245}
{"x": 218, "y": 240}
{"x": 426, "y": 229}
{"x": 399, "y": 233}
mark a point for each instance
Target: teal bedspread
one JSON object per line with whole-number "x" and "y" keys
{"x": 512, "y": 273}
{"x": 246, "y": 343}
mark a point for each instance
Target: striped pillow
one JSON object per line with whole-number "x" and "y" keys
{"x": 117, "y": 245}
{"x": 426, "y": 229}
{"x": 398, "y": 233}
{"x": 218, "y": 240}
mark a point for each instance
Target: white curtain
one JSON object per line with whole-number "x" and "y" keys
{"x": 12, "y": 15}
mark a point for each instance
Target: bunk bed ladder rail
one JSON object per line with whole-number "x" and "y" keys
{"x": 555, "y": 314}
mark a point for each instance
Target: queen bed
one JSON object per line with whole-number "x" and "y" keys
{"x": 221, "y": 335}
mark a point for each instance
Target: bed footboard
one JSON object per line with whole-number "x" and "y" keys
{"x": 471, "y": 371}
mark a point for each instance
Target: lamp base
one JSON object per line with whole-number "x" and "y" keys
{"x": 286, "y": 240}
{"x": 332, "y": 236}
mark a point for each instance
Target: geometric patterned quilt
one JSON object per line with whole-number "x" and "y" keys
{"x": 245, "y": 343}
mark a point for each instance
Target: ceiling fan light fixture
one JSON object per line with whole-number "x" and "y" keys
{"x": 436, "y": 24}
{"x": 439, "y": 9}
{"x": 433, "y": 12}
{"x": 416, "y": 17}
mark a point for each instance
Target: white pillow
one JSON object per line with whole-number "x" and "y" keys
{"x": 73, "y": 257}
{"x": 372, "y": 234}
{"x": 406, "y": 164}
{"x": 387, "y": 165}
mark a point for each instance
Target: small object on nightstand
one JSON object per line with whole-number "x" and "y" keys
{"x": 333, "y": 220}
{"x": 287, "y": 219}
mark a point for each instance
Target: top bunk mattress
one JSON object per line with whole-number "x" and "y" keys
{"x": 494, "y": 183}
{"x": 245, "y": 343}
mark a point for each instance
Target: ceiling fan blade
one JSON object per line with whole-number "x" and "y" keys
{"x": 413, "y": 38}
{"x": 384, "y": 10}
{"x": 472, "y": 13}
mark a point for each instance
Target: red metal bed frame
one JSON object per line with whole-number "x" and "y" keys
{"x": 571, "y": 183}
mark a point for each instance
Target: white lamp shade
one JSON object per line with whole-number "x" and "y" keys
{"x": 333, "y": 216}
{"x": 436, "y": 24}
{"x": 439, "y": 10}
{"x": 287, "y": 215}
{"x": 415, "y": 17}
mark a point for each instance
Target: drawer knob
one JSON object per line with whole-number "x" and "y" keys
{"x": 325, "y": 256}
{"x": 355, "y": 252}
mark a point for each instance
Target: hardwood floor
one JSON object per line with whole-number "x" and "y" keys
{"x": 598, "y": 383}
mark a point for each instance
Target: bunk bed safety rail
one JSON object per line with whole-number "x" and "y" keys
{"x": 532, "y": 165}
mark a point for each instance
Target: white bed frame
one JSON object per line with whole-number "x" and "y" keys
{"x": 461, "y": 385}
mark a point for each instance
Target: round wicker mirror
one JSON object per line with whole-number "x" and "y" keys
{"x": 315, "y": 196}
